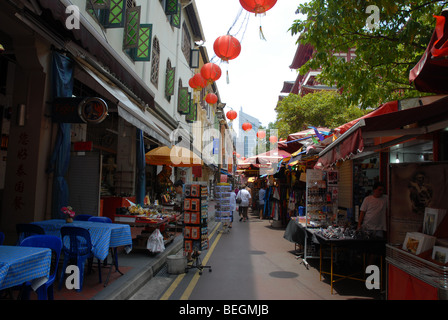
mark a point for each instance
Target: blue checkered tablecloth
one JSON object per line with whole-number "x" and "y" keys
{"x": 21, "y": 264}
{"x": 103, "y": 235}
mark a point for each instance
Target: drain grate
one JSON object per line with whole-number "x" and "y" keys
{"x": 163, "y": 271}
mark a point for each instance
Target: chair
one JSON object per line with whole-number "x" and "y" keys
{"x": 114, "y": 252}
{"x": 45, "y": 291}
{"x": 100, "y": 219}
{"x": 82, "y": 217}
{"x": 2, "y": 238}
{"x": 24, "y": 230}
{"x": 77, "y": 246}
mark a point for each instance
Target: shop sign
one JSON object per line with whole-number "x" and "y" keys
{"x": 79, "y": 110}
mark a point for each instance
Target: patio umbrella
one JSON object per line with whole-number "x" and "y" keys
{"x": 175, "y": 156}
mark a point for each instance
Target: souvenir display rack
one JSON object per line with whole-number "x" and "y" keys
{"x": 223, "y": 211}
{"x": 195, "y": 220}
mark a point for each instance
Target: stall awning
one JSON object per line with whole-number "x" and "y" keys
{"x": 127, "y": 109}
{"x": 382, "y": 131}
{"x": 431, "y": 72}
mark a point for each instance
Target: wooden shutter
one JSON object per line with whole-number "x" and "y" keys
{"x": 193, "y": 114}
{"x": 176, "y": 18}
{"x": 183, "y": 106}
{"x": 169, "y": 82}
{"x": 132, "y": 28}
{"x": 171, "y": 7}
{"x": 143, "y": 50}
{"x": 114, "y": 16}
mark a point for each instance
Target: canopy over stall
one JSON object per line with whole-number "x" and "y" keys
{"x": 431, "y": 72}
{"x": 414, "y": 117}
{"x": 175, "y": 156}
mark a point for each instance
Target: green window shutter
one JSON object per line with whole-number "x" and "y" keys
{"x": 171, "y": 7}
{"x": 169, "y": 83}
{"x": 175, "y": 18}
{"x": 193, "y": 114}
{"x": 114, "y": 16}
{"x": 132, "y": 28}
{"x": 143, "y": 50}
{"x": 183, "y": 106}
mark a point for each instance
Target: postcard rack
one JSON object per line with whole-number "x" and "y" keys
{"x": 223, "y": 211}
{"x": 431, "y": 273}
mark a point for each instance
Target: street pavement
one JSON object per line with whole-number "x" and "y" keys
{"x": 251, "y": 262}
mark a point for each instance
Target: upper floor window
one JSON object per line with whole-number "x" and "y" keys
{"x": 155, "y": 62}
{"x": 186, "y": 42}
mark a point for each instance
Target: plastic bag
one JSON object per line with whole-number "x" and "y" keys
{"x": 155, "y": 242}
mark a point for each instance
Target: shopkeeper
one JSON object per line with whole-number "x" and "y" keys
{"x": 372, "y": 216}
{"x": 164, "y": 185}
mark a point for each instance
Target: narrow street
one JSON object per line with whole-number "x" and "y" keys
{"x": 251, "y": 262}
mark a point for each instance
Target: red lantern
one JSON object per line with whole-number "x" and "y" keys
{"x": 238, "y": 155}
{"x": 246, "y": 126}
{"x": 273, "y": 139}
{"x": 257, "y": 6}
{"x": 231, "y": 115}
{"x": 197, "y": 82}
{"x": 227, "y": 47}
{"x": 211, "y": 72}
{"x": 211, "y": 98}
{"x": 261, "y": 134}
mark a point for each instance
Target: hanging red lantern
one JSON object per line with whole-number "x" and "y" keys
{"x": 211, "y": 98}
{"x": 231, "y": 115}
{"x": 211, "y": 72}
{"x": 197, "y": 82}
{"x": 257, "y": 6}
{"x": 227, "y": 47}
{"x": 273, "y": 139}
{"x": 261, "y": 134}
{"x": 246, "y": 126}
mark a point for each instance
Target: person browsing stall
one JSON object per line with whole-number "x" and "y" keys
{"x": 372, "y": 215}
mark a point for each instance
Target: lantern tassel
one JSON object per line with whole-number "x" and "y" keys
{"x": 261, "y": 34}
{"x": 227, "y": 77}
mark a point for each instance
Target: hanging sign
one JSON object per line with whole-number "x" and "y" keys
{"x": 79, "y": 110}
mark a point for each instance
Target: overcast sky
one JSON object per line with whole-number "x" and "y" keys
{"x": 256, "y": 76}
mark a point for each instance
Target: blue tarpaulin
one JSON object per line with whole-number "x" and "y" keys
{"x": 141, "y": 163}
{"x": 62, "y": 86}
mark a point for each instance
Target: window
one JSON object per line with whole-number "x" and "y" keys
{"x": 143, "y": 50}
{"x": 132, "y": 28}
{"x": 155, "y": 62}
{"x": 183, "y": 104}
{"x": 169, "y": 80}
{"x": 186, "y": 42}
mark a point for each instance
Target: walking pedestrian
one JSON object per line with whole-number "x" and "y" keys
{"x": 245, "y": 197}
{"x": 232, "y": 207}
{"x": 261, "y": 195}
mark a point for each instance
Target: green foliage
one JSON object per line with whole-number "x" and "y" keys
{"x": 384, "y": 55}
{"x": 321, "y": 109}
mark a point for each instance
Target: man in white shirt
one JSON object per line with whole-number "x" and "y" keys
{"x": 245, "y": 197}
{"x": 372, "y": 216}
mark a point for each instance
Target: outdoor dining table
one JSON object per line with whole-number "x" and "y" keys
{"x": 22, "y": 264}
{"x": 103, "y": 235}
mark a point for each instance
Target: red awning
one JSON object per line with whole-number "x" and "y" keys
{"x": 388, "y": 107}
{"x": 393, "y": 126}
{"x": 431, "y": 72}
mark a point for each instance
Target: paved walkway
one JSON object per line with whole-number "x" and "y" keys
{"x": 251, "y": 262}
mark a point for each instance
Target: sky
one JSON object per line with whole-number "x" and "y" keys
{"x": 257, "y": 75}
